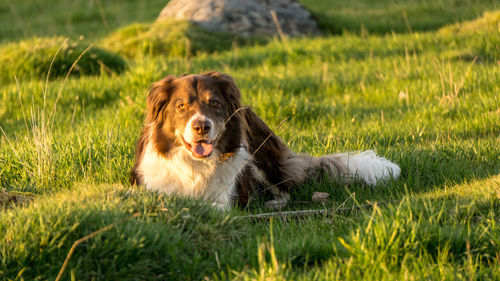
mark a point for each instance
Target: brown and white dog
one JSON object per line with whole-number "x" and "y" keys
{"x": 199, "y": 141}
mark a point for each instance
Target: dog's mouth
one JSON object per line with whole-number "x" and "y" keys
{"x": 199, "y": 149}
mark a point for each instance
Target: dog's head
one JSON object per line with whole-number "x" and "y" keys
{"x": 197, "y": 112}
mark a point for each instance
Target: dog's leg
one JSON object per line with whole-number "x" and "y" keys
{"x": 223, "y": 199}
{"x": 281, "y": 199}
{"x": 269, "y": 159}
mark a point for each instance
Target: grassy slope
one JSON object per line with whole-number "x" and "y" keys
{"x": 385, "y": 16}
{"x": 435, "y": 114}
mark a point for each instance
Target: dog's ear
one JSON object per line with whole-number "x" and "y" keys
{"x": 228, "y": 88}
{"x": 158, "y": 98}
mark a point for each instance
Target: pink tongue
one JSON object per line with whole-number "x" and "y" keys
{"x": 202, "y": 149}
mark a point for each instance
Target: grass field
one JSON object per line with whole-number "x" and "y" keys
{"x": 417, "y": 81}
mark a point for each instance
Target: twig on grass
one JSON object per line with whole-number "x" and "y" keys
{"x": 314, "y": 212}
{"x": 87, "y": 237}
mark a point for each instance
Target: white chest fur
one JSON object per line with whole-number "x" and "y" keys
{"x": 180, "y": 174}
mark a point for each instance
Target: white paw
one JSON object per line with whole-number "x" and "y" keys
{"x": 221, "y": 206}
{"x": 277, "y": 204}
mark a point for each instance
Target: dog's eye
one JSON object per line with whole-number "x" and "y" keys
{"x": 181, "y": 106}
{"x": 214, "y": 103}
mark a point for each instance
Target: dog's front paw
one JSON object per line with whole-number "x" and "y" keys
{"x": 277, "y": 204}
{"x": 221, "y": 206}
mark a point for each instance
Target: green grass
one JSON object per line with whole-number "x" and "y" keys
{"x": 171, "y": 38}
{"x": 386, "y": 16}
{"x": 426, "y": 100}
{"x": 90, "y": 18}
{"x": 34, "y": 58}
{"x": 480, "y": 38}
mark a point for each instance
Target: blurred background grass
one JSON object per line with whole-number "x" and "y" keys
{"x": 97, "y": 18}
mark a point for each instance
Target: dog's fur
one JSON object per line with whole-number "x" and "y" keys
{"x": 199, "y": 141}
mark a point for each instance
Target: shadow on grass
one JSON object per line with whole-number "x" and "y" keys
{"x": 423, "y": 171}
{"x": 427, "y": 185}
{"x": 179, "y": 238}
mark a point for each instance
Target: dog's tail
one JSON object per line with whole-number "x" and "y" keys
{"x": 365, "y": 166}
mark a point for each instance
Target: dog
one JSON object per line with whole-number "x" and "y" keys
{"x": 199, "y": 141}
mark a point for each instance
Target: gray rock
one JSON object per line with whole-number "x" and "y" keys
{"x": 243, "y": 17}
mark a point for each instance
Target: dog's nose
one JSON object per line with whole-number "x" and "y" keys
{"x": 201, "y": 127}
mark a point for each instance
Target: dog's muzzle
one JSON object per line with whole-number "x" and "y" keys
{"x": 198, "y": 136}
